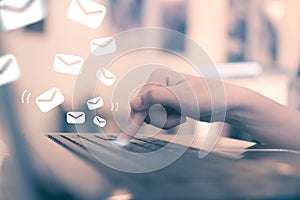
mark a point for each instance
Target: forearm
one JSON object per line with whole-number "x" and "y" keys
{"x": 266, "y": 120}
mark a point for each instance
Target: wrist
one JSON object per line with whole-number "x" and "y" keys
{"x": 238, "y": 103}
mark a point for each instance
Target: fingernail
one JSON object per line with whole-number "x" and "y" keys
{"x": 122, "y": 140}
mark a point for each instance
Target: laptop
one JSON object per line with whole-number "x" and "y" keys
{"x": 59, "y": 166}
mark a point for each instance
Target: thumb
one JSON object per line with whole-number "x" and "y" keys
{"x": 154, "y": 95}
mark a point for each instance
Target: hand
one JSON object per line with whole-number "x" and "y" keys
{"x": 185, "y": 96}
{"x": 178, "y": 94}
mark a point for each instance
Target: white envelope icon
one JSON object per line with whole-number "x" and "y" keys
{"x": 99, "y": 121}
{"x": 105, "y": 76}
{"x": 49, "y": 99}
{"x": 95, "y": 103}
{"x": 9, "y": 69}
{"x": 103, "y": 46}
{"x": 75, "y": 117}
{"x": 67, "y": 64}
{"x": 86, "y": 12}
{"x": 18, "y": 13}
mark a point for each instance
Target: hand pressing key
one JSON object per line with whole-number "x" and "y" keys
{"x": 185, "y": 96}
{"x": 173, "y": 91}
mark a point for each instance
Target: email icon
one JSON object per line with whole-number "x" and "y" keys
{"x": 86, "y": 12}
{"x": 103, "y": 46}
{"x": 105, "y": 76}
{"x": 95, "y": 103}
{"x": 9, "y": 69}
{"x": 49, "y": 99}
{"x": 68, "y": 64}
{"x": 99, "y": 121}
{"x": 18, "y": 13}
{"x": 75, "y": 117}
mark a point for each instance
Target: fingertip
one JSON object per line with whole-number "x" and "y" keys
{"x": 123, "y": 139}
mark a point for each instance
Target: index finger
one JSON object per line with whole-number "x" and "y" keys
{"x": 135, "y": 121}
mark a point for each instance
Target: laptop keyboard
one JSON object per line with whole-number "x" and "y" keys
{"x": 214, "y": 177}
{"x": 136, "y": 145}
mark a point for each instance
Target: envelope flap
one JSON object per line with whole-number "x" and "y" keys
{"x": 90, "y": 7}
{"x": 48, "y": 95}
{"x": 107, "y": 74}
{"x": 69, "y": 59}
{"x": 4, "y": 67}
{"x": 99, "y": 119}
{"x": 16, "y": 5}
{"x": 102, "y": 42}
{"x": 76, "y": 115}
{"x": 94, "y": 100}
{"x": 5, "y": 62}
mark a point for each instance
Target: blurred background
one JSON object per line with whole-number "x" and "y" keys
{"x": 263, "y": 31}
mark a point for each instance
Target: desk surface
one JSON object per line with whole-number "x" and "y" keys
{"x": 227, "y": 147}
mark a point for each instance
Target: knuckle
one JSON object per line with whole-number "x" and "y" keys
{"x": 151, "y": 94}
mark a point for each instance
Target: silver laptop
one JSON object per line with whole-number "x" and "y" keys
{"x": 59, "y": 166}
